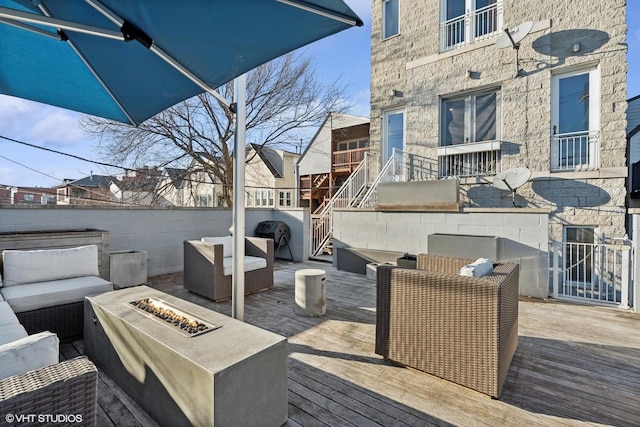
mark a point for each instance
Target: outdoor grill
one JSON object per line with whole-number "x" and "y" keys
{"x": 278, "y": 231}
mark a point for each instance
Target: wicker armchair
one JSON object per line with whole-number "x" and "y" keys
{"x": 203, "y": 271}
{"x": 68, "y": 388}
{"x": 462, "y": 329}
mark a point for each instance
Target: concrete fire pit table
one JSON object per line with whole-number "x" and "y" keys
{"x": 229, "y": 373}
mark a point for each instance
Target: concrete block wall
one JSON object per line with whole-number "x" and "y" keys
{"x": 523, "y": 234}
{"x": 158, "y": 231}
{"x": 411, "y": 62}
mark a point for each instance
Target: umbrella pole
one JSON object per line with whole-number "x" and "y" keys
{"x": 238, "y": 221}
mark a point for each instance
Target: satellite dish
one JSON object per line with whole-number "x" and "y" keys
{"x": 512, "y": 38}
{"x": 511, "y": 180}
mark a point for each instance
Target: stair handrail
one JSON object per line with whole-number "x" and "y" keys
{"x": 374, "y": 185}
{"x": 322, "y": 224}
{"x": 346, "y": 185}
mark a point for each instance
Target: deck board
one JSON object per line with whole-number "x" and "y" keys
{"x": 575, "y": 364}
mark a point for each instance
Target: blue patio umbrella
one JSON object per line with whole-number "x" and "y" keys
{"x": 129, "y": 60}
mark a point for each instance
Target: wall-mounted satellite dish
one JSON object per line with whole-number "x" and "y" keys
{"x": 512, "y": 38}
{"x": 511, "y": 180}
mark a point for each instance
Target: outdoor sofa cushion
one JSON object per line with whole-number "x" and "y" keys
{"x": 250, "y": 263}
{"x": 31, "y": 266}
{"x": 7, "y": 316}
{"x": 28, "y": 353}
{"x": 12, "y": 332}
{"x": 34, "y": 296}
{"x": 478, "y": 268}
{"x": 226, "y": 242}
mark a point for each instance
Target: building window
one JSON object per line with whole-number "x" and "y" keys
{"x": 575, "y": 117}
{"x": 205, "y": 200}
{"x": 467, "y": 21}
{"x": 470, "y": 118}
{"x": 284, "y": 198}
{"x": 264, "y": 198}
{"x": 470, "y": 134}
{"x": 390, "y": 18}
{"x": 28, "y": 197}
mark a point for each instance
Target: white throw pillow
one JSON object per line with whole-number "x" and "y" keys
{"x": 29, "y": 353}
{"x": 225, "y": 241}
{"x": 478, "y": 268}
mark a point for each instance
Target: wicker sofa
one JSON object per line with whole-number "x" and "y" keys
{"x": 46, "y": 288}
{"x": 207, "y": 266}
{"x": 462, "y": 329}
{"x": 66, "y": 389}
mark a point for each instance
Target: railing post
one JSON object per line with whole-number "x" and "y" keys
{"x": 555, "y": 270}
{"x": 626, "y": 277}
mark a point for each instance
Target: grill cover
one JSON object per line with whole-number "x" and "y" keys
{"x": 274, "y": 230}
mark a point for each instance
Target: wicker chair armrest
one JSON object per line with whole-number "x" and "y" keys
{"x": 67, "y": 388}
{"x": 259, "y": 247}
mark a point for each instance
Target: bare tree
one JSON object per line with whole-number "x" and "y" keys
{"x": 284, "y": 99}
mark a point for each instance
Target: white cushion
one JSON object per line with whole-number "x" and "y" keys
{"x": 34, "y": 296}
{"x": 10, "y": 333}
{"x": 29, "y": 353}
{"x": 7, "y": 316}
{"x": 226, "y": 242}
{"x": 250, "y": 263}
{"x": 49, "y": 264}
{"x": 478, "y": 268}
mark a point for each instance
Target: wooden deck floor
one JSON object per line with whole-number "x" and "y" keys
{"x": 575, "y": 365}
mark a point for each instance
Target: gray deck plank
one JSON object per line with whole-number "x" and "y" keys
{"x": 575, "y": 364}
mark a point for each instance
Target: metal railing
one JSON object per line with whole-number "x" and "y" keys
{"x": 473, "y": 163}
{"x": 597, "y": 273}
{"x": 322, "y": 223}
{"x": 471, "y": 27}
{"x": 401, "y": 166}
{"x": 575, "y": 150}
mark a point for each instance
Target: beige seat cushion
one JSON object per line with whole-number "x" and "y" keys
{"x": 250, "y": 263}
{"x": 28, "y": 353}
{"x": 34, "y": 296}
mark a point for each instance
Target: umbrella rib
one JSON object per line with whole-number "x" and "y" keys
{"x": 46, "y": 12}
{"x": 300, "y": 4}
{"x": 48, "y": 21}
{"x": 148, "y": 42}
{"x": 26, "y": 27}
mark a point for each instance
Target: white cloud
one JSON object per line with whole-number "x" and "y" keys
{"x": 37, "y": 123}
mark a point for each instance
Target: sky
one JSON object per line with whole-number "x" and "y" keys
{"x": 344, "y": 55}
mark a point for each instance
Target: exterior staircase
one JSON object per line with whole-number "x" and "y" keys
{"x": 362, "y": 192}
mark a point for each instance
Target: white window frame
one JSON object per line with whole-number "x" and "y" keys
{"x": 465, "y": 24}
{"x": 386, "y": 154}
{"x": 470, "y": 119}
{"x": 384, "y": 19}
{"x": 594, "y": 117}
{"x": 285, "y": 198}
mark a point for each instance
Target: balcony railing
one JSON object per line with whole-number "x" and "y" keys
{"x": 575, "y": 151}
{"x": 471, "y": 27}
{"x": 348, "y": 160}
{"x": 466, "y": 160}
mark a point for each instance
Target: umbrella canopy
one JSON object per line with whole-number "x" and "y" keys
{"x": 129, "y": 60}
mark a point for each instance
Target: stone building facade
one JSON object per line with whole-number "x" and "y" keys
{"x": 441, "y": 87}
